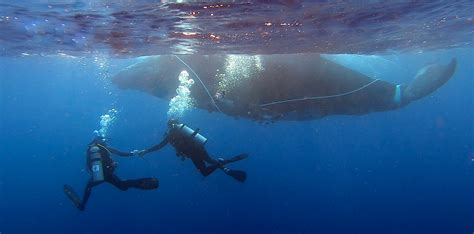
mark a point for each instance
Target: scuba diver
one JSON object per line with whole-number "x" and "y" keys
{"x": 101, "y": 167}
{"x": 189, "y": 143}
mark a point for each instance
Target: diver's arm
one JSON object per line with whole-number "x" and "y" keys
{"x": 118, "y": 152}
{"x": 156, "y": 147}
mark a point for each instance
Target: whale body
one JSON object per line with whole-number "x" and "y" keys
{"x": 277, "y": 87}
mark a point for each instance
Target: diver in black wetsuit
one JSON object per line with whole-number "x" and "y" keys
{"x": 189, "y": 143}
{"x": 101, "y": 167}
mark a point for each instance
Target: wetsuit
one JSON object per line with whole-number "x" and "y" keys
{"x": 109, "y": 167}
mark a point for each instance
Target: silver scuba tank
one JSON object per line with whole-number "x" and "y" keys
{"x": 96, "y": 169}
{"x": 193, "y": 134}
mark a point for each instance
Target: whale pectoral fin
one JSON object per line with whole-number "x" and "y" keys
{"x": 429, "y": 79}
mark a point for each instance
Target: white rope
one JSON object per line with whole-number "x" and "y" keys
{"x": 203, "y": 85}
{"x": 319, "y": 97}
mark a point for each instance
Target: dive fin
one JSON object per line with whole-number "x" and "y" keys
{"x": 73, "y": 196}
{"x": 428, "y": 79}
{"x": 240, "y": 176}
{"x": 236, "y": 158}
{"x": 149, "y": 184}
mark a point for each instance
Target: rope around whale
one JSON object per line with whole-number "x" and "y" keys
{"x": 203, "y": 85}
{"x": 319, "y": 97}
{"x": 277, "y": 102}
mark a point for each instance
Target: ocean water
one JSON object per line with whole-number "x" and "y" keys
{"x": 409, "y": 170}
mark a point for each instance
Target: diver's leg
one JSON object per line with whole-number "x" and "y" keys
{"x": 205, "y": 171}
{"x": 87, "y": 194}
{"x": 116, "y": 181}
{"x": 148, "y": 183}
{"x": 201, "y": 166}
{"x": 240, "y": 176}
{"x": 143, "y": 183}
{"x": 222, "y": 161}
{"x": 205, "y": 156}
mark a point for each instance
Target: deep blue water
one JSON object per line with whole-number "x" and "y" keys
{"x": 404, "y": 171}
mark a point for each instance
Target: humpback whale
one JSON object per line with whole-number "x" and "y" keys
{"x": 278, "y": 87}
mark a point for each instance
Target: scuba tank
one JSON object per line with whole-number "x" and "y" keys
{"x": 96, "y": 168}
{"x": 193, "y": 134}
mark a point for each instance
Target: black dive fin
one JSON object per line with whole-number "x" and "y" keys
{"x": 240, "y": 176}
{"x": 73, "y": 196}
{"x": 237, "y": 158}
{"x": 149, "y": 184}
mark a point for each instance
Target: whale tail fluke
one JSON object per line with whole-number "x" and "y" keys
{"x": 429, "y": 79}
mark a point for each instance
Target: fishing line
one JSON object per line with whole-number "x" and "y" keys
{"x": 203, "y": 85}
{"x": 319, "y": 97}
